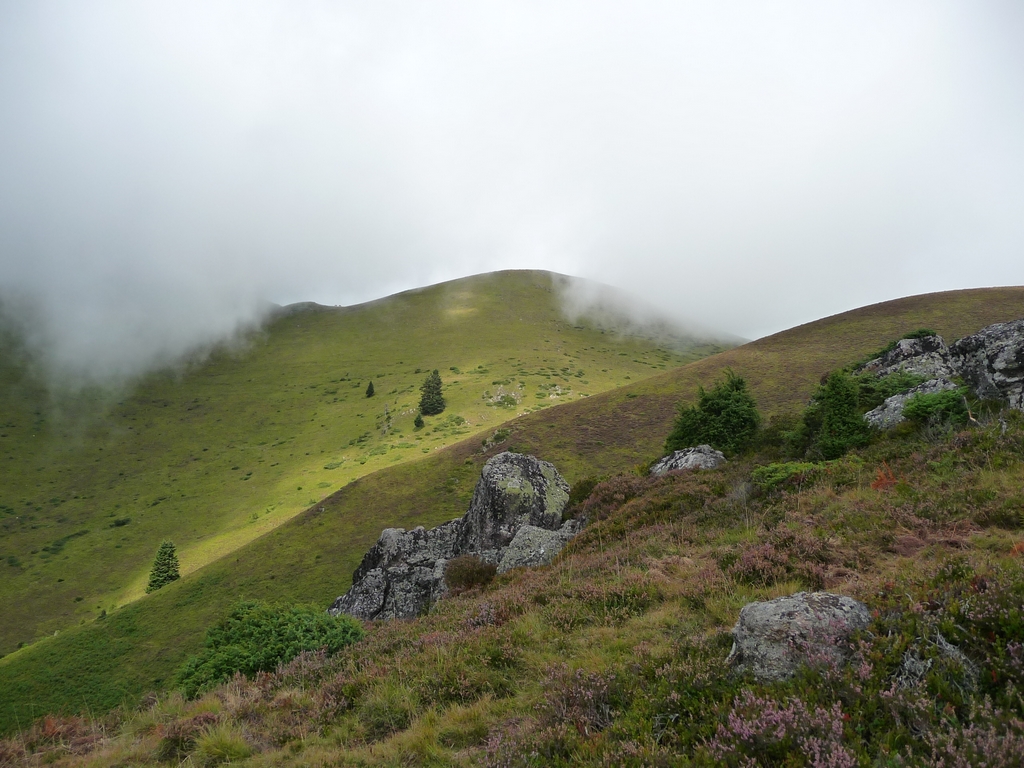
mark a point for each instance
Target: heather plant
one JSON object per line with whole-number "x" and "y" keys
{"x": 761, "y": 730}
{"x": 467, "y": 572}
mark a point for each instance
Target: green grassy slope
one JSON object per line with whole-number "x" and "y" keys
{"x": 311, "y": 558}
{"x": 220, "y": 452}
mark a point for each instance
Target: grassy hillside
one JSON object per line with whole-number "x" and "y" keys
{"x": 311, "y": 558}
{"x": 217, "y": 453}
{"x": 615, "y": 654}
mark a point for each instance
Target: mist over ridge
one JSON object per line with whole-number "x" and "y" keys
{"x": 167, "y": 170}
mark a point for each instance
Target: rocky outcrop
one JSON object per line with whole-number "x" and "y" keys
{"x": 514, "y": 519}
{"x": 700, "y": 457}
{"x": 514, "y": 490}
{"x": 773, "y": 639}
{"x": 890, "y": 413}
{"x": 401, "y": 574}
{"x": 928, "y": 356}
{"x": 991, "y": 361}
{"x": 537, "y": 546}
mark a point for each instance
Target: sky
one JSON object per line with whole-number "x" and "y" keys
{"x": 168, "y": 168}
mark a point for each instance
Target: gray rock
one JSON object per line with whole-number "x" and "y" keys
{"x": 701, "y": 457}
{"x": 514, "y": 490}
{"x": 402, "y": 575}
{"x": 992, "y": 362}
{"x": 890, "y": 413}
{"x": 773, "y": 639}
{"x": 537, "y": 546}
{"x": 399, "y": 576}
{"x": 925, "y": 357}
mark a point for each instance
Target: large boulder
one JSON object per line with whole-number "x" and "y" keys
{"x": 890, "y": 413}
{"x": 514, "y": 490}
{"x": 928, "y": 356}
{"x": 537, "y": 546}
{"x": 992, "y": 362}
{"x": 773, "y": 639}
{"x": 700, "y": 457}
{"x": 403, "y": 573}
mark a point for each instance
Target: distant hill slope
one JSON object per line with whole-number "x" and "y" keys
{"x": 311, "y": 558}
{"x": 217, "y": 453}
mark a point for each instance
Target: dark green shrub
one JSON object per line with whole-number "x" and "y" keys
{"x": 832, "y": 423}
{"x": 873, "y": 390}
{"x": 468, "y": 571}
{"x": 948, "y": 407}
{"x": 772, "y": 476}
{"x": 417, "y": 423}
{"x": 165, "y": 567}
{"x": 431, "y": 399}
{"x": 725, "y": 418}
{"x": 369, "y": 389}
{"x": 256, "y": 637}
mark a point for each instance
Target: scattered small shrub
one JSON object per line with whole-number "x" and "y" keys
{"x": 418, "y": 423}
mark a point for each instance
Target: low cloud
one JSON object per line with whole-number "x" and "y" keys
{"x": 167, "y": 168}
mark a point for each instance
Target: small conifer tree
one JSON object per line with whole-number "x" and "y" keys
{"x": 165, "y": 567}
{"x": 369, "y": 389}
{"x": 432, "y": 401}
{"x": 418, "y": 421}
{"x": 725, "y": 418}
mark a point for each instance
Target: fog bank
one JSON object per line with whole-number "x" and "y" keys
{"x": 168, "y": 168}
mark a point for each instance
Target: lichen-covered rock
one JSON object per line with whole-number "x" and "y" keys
{"x": 700, "y": 457}
{"x": 773, "y": 639}
{"x": 928, "y": 356}
{"x": 514, "y": 490}
{"x": 991, "y": 361}
{"x": 537, "y": 546}
{"x": 403, "y": 573}
{"x": 890, "y": 413}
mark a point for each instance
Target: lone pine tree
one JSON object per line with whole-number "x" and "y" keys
{"x": 432, "y": 401}
{"x": 369, "y": 389}
{"x": 165, "y": 567}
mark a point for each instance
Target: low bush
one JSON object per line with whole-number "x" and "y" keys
{"x": 466, "y": 572}
{"x": 789, "y": 473}
{"x": 256, "y": 637}
{"x": 948, "y": 407}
